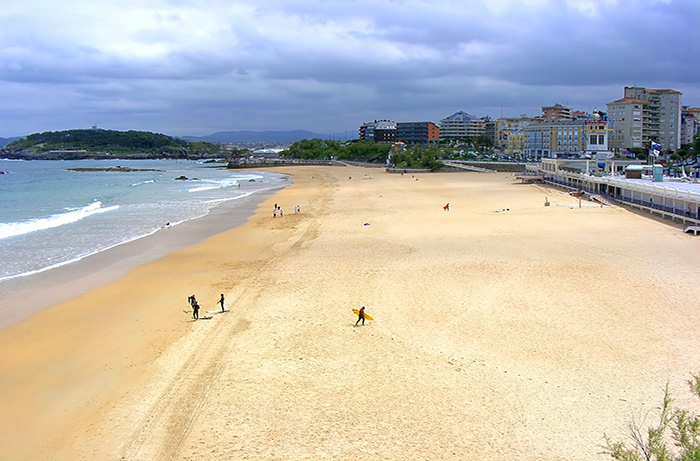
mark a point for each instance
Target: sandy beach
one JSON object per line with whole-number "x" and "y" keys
{"x": 503, "y": 329}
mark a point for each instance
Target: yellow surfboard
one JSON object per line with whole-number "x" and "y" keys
{"x": 367, "y": 317}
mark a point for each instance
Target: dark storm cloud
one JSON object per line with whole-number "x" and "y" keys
{"x": 182, "y": 68}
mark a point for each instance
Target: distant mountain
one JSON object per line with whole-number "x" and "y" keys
{"x": 261, "y": 136}
{"x": 6, "y": 141}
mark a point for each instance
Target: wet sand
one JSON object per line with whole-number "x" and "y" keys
{"x": 503, "y": 329}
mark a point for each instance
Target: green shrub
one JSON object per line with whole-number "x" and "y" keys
{"x": 653, "y": 444}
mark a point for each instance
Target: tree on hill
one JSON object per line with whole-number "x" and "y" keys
{"x": 95, "y": 140}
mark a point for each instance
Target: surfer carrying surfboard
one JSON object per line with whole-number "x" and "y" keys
{"x": 361, "y": 316}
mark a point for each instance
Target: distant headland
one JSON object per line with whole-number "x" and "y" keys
{"x": 106, "y": 144}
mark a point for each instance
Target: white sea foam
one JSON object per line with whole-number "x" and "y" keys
{"x": 143, "y": 182}
{"x": 204, "y": 188}
{"x": 70, "y": 216}
{"x": 211, "y": 185}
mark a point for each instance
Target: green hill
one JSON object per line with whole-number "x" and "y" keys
{"x": 98, "y": 143}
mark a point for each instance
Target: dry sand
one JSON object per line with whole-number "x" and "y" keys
{"x": 518, "y": 334}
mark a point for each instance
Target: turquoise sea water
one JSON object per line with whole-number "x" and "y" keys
{"x": 50, "y": 215}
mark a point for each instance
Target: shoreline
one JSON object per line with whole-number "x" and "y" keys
{"x": 53, "y": 286}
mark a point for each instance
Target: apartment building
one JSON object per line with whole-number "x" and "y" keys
{"x": 661, "y": 116}
{"x": 417, "y": 132}
{"x": 690, "y": 124}
{"x": 556, "y": 113}
{"x": 626, "y": 115}
{"x": 382, "y": 131}
{"x": 462, "y": 125}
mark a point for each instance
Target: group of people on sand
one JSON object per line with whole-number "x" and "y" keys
{"x": 195, "y": 305}
{"x": 192, "y": 300}
{"x": 278, "y": 210}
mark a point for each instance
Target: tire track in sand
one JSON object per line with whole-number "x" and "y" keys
{"x": 169, "y": 420}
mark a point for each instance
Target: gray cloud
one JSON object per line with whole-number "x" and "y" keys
{"x": 182, "y": 68}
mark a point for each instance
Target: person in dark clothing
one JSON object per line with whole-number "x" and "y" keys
{"x": 195, "y": 310}
{"x": 221, "y": 301}
{"x": 361, "y": 316}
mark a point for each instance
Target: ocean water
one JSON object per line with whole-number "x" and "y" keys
{"x": 51, "y": 216}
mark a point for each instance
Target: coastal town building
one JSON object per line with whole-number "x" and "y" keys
{"x": 514, "y": 143}
{"x": 381, "y": 131}
{"x": 553, "y": 139}
{"x": 596, "y": 132}
{"x": 690, "y": 124}
{"x": 557, "y": 113}
{"x": 661, "y": 116}
{"x": 421, "y": 133}
{"x": 626, "y": 116}
{"x": 506, "y": 126}
{"x": 462, "y": 125}
{"x": 567, "y": 138}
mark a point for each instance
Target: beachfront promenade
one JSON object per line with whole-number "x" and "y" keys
{"x": 674, "y": 199}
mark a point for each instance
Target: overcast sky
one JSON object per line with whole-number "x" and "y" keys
{"x": 185, "y": 67}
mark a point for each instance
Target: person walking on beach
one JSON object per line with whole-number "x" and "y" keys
{"x": 221, "y": 301}
{"x": 191, "y": 300}
{"x": 446, "y": 207}
{"x": 361, "y": 316}
{"x": 195, "y": 310}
